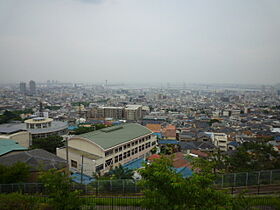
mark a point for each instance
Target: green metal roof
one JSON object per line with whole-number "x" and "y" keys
{"x": 112, "y": 136}
{"x": 8, "y": 145}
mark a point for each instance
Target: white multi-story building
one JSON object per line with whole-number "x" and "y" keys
{"x": 107, "y": 148}
{"x": 220, "y": 140}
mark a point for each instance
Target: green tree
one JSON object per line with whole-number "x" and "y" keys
{"x": 50, "y": 143}
{"x": 19, "y": 201}
{"x": 8, "y": 116}
{"x": 120, "y": 173}
{"x": 59, "y": 190}
{"x": 253, "y": 156}
{"x": 18, "y": 172}
{"x": 165, "y": 189}
{"x": 81, "y": 129}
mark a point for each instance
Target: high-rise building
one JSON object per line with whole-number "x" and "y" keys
{"x": 22, "y": 87}
{"x": 32, "y": 86}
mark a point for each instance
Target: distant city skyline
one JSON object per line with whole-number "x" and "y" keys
{"x": 147, "y": 41}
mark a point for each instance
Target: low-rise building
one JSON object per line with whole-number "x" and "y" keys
{"x": 101, "y": 150}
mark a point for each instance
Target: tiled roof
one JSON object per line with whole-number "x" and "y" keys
{"x": 38, "y": 159}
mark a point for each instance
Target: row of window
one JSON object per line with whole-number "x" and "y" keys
{"x": 126, "y": 146}
{"x": 118, "y": 158}
{"x": 132, "y": 152}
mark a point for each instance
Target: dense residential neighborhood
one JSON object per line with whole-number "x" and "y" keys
{"x": 139, "y": 105}
{"x": 94, "y": 134}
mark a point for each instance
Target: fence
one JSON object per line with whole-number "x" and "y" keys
{"x": 124, "y": 186}
{"x": 30, "y": 188}
{"x": 100, "y": 187}
{"x": 130, "y": 187}
{"x": 248, "y": 179}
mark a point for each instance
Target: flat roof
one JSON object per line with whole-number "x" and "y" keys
{"x": 115, "y": 135}
{"x": 9, "y": 128}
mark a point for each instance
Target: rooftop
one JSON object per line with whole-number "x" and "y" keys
{"x": 9, "y": 128}
{"x": 37, "y": 159}
{"x": 8, "y": 145}
{"x": 112, "y": 136}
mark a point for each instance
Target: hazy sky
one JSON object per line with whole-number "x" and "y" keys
{"x": 192, "y": 41}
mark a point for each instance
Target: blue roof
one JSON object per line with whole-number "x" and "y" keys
{"x": 157, "y": 134}
{"x": 233, "y": 143}
{"x": 186, "y": 172}
{"x": 76, "y": 177}
{"x": 134, "y": 164}
{"x": 168, "y": 141}
{"x": 72, "y": 127}
{"x": 277, "y": 138}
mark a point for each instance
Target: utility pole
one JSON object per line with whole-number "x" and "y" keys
{"x": 67, "y": 153}
{"x": 82, "y": 169}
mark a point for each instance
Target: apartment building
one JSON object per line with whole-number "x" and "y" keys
{"x": 133, "y": 112}
{"x": 101, "y": 150}
{"x": 220, "y": 140}
{"x": 129, "y": 112}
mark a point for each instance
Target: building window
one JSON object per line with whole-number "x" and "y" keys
{"x": 120, "y": 157}
{"x": 140, "y": 148}
{"x": 116, "y": 150}
{"x": 116, "y": 159}
{"x": 124, "y": 155}
{"x": 99, "y": 167}
{"x": 107, "y": 153}
{"x": 74, "y": 164}
{"x": 109, "y": 162}
{"x": 124, "y": 147}
{"x": 128, "y": 154}
{"x": 136, "y": 150}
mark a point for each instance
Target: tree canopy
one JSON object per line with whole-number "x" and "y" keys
{"x": 50, "y": 143}
{"x": 16, "y": 173}
{"x": 253, "y": 156}
{"x": 81, "y": 129}
{"x": 165, "y": 189}
{"x": 59, "y": 189}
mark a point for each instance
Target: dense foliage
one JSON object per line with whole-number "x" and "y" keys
{"x": 254, "y": 157}
{"x": 9, "y": 116}
{"x": 18, "y": 172}
{"x": 58, "y": 186}
{"x": 81, "y": 129}
{"x": 165, "y": 189}
{"x": 50, "y": 143}
{"x": 17, "y": 201}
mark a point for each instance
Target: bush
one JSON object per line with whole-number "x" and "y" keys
{"x": 17, "y": 201}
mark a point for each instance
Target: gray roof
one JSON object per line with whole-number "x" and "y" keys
{"x": 37, "y": 159}
{"x": 9, "y": 128}
{"x": 198, "y": 145}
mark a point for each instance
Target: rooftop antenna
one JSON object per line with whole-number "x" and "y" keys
{"x": 41, "y": 110}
